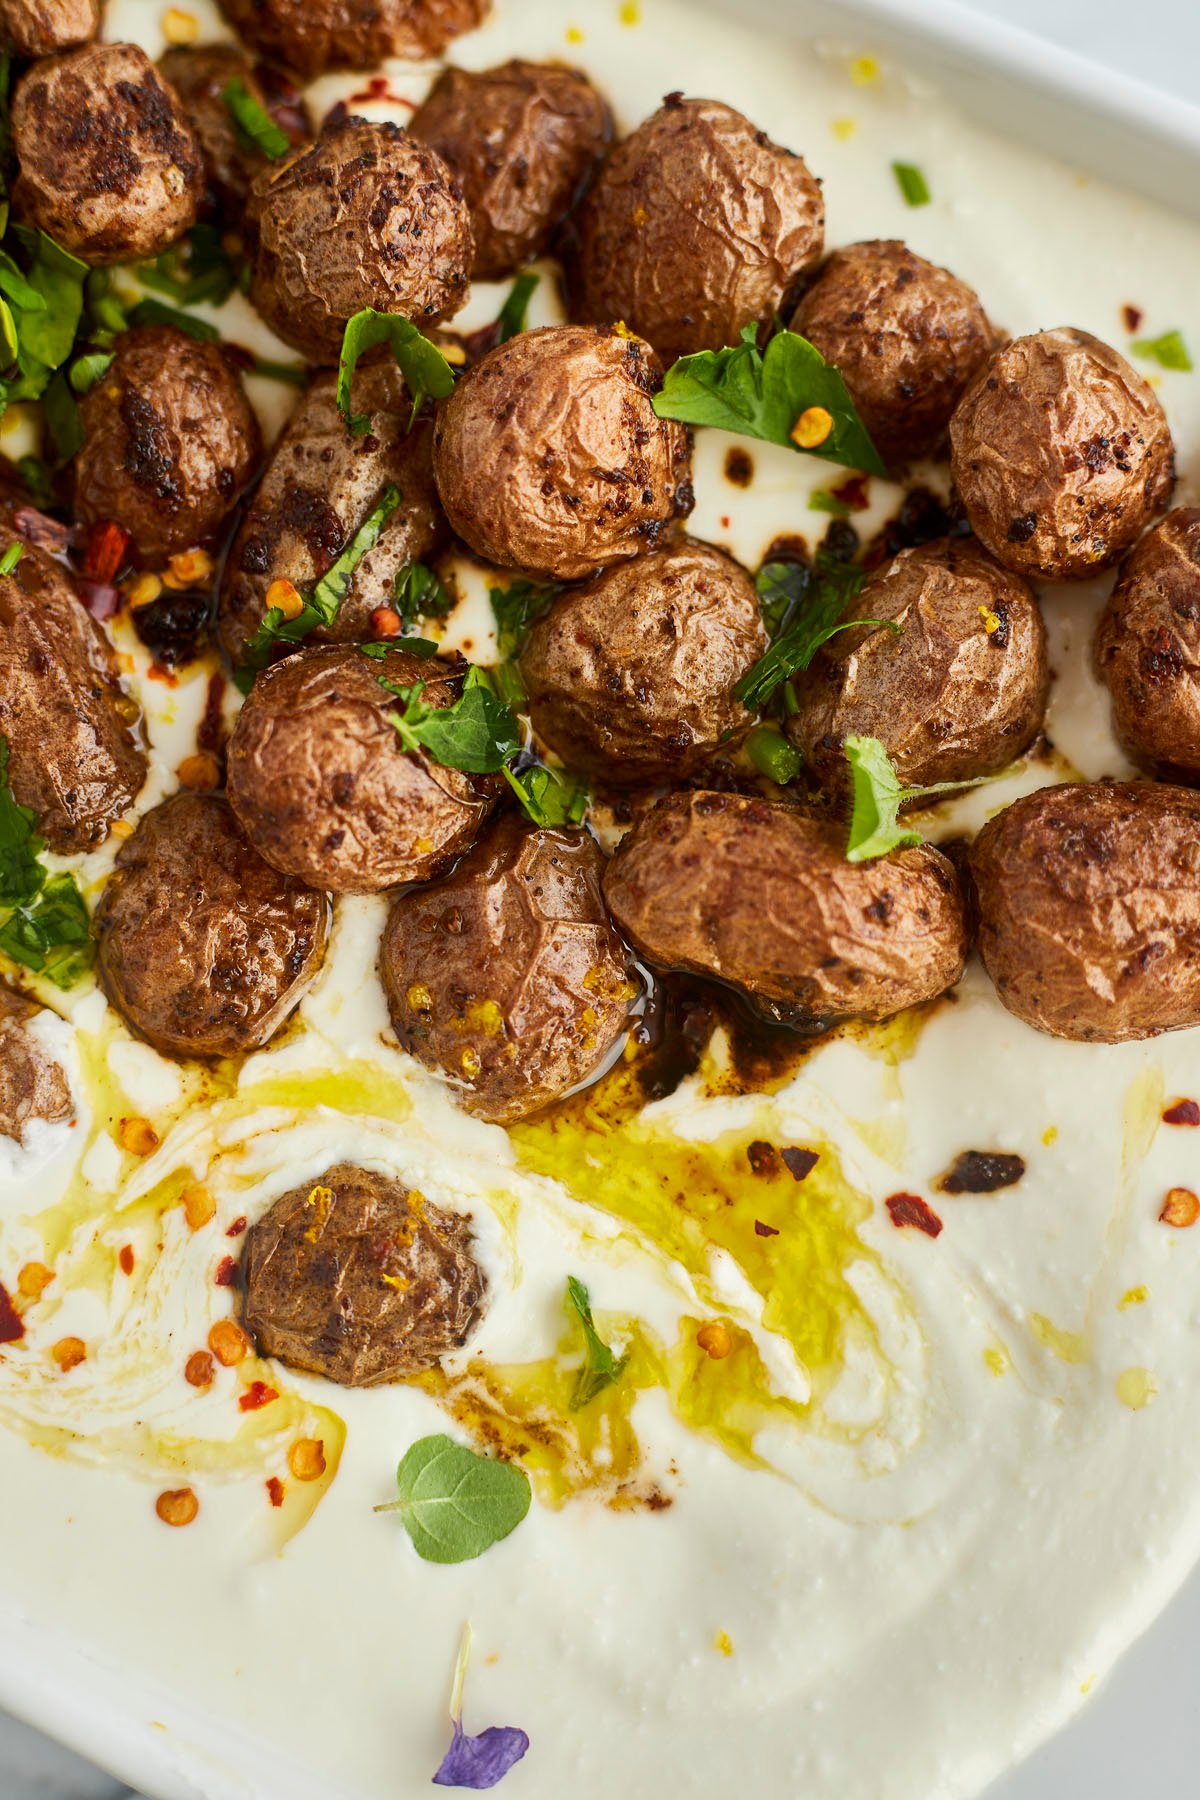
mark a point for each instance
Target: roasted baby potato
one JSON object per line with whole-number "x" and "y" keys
{"x": 42, "y": 27}
{"x": 549, "y": 456}
{"x": 365, "y": 216}
{"x": 1062, "y": 455}
{"x": 507, "y": 976}
{"x": 108, "y": 163}
{"x": 907, "y": 336}
{"x": 319, "y": 486}
{"x": 324, "y": 788}
{"x": 205, "y": 949}
{"x": 72, "y": 755}
{"x": 1089, "y": 909}
{"x": 630, "y": 678}
{"x": 359, "y": 1278}
{"x": 959, "y": 691}
{"x": 761, "y": 896}
{"x": 200, "y": 76}
{"x": 169, "y": 442}
{"x": 522, "y": 139}
{"x": 33, "y": 1084}
{"x": 311, "y": 37}
{"x": 696, "y": 226}
{"x": 1148, "y": 649}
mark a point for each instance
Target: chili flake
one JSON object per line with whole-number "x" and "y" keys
{"x": 761, "y": 1230}
{"x": 715, "y": 1340}
{"x": 125, "y": 1259}
{"x": 237, "y": 1228}
{"x": 33, "y": 1280}
{"x": 274, "y": 1490}
{"x": 198, "y": 1205}
{"x": 1183, "y": 1112}
{"x": 228, "y": 1342}
{"x": 910, "y": 1209}
{"x": 306, "y": 1459}
{"x": 799, "y": 1163}
{"x": 226, "y": 1273}
{"x": 107, "y": 545}
{"x": 258, "y": 1394}
{"x": 138, "y": 1137}
{"x": 68, "y": 1353}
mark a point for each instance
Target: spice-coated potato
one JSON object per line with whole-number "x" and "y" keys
{"x": 522, "y": 139}
{"x": 549, "y": 455}
{"x": 1061, "y": 454}
{"x": 959, "y": 691}
{"x": 320, "y": 485}
{"x": 359, "y": 1278}
{"x": 631, "y": 677}
{"x": 507, "y": 975}
{"x": 205, "y": 949}
{"x": 906, "y": 335}
{"x": 169, "y": 442}
{"x": 32, "y": 1082}
{"x": 72, "y": 755}
{"x": 365, "y": 216}
{"x": 41, "y": 27}
{"x": 200, "y": 77}
{"x": 1089, "y": 909}
{"x": 761, "y": 896}
{"x": 324, "y": 788}
{"x": 1148, "y": 649}
{"x": 697, "y": 226}
{"x": 313, "y": 36}
{"x": 108, "y": 164}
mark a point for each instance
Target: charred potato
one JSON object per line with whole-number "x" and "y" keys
{"x": 697, "y": 226}
{"x": 108, "y": 164}
{"x": 761, "y": 896}
{"x": 325, "y": 790}
{"x": 1089, "y": 909}
{"x": 631, "y": 677}
{"x": 549, "y": 455}
{"x": 319, "y": 486}
{"x": 507, "y": 976}
{"x": 200, "y": 76}
{"x": 315, "y": 36}
{"x": 522, "y": 139}
{"x": 365, "y": 216}
{"x": 959, "y": 691}
{"x": 169, "y": 442}
{"x": 205, "y": 949}
{"x": 42, "y": 27}
{"x": 72, "y": 754}
{"x": 33, "y": 1084}
{"x": 907, "y": 336}
{"x": 359, "y": 1278}
{"x": 1061, "y": 454}
{"x": 1148, "y": 649}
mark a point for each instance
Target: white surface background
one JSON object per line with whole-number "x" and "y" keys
{"x": 1143, "y": 1734}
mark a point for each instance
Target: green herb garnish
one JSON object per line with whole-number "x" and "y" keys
{"x": 154, "y": 312}
{"x": 455, "y": 1504}
{"x": 425, "y": 370}
{"x": 550, "y": 800}
{"x": 86, "y": 371}
{"x": 36, "y": 477}
{"x": 781, "y": 586}
{"x": 254, "y": 125}
{"x": 816, "y": 617}
{"x": 11, "y": 558}
{"x": 62, "y": 419}
{"x": 773, "y": 756}
{"x": 600, "y": 1368}
{"x": 44, "y": 923}
{"x": 379, "y": 649}
{"x": 294, "y": 374}
{"x": 476, "y": 733}
{"x": 514, "y": 609}
{"x": 786, "y": 395}
{"x": 912, "y": 184}
{"x": 195, "y": 270}
{"x": 878, "y": 796}
{"x": 515, "y": 310}
{"x": 418, "y": 594}
{"x": 1169, "y": 351}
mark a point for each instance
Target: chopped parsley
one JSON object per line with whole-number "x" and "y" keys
{"x": 156, "y": 312}
{"x": 550, "y": 800}
{"x": 875, "y": 827}
{"x": 418, "y": 594}
{"x": 515, "y": 311}
{"x": 476, "y": 733}
{"x": 514, "y": 609}
{"x": 600, "y": 1368}
{"x": 44, "y": 923}
{"x": 11, "y": 558}
{"x": 1169, "y": 351}
{"x": 912, "y": 184}
{"x": 425, "y": 370}
{"x": 815, "y": 616}
{"x": 773, "y": 756}
{"x": 194, "y": 271}
{"x": 86, "y": 371}
{"x": 255, "y": 127}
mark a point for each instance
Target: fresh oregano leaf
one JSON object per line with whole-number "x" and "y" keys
{"x": 600, "y": 1368}
{"x": 455, "y": 1504}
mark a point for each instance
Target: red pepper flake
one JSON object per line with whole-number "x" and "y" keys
{"x": 761, "y": 1230}
{"x": 226, "y": 1273}
{"x": 378, "y": 88}
{"x": 11, "y": 1328}
{"x": 125, "y": 1259}
{"x": 761, "y": 1157}
{"x": 799, "y": 1163}
{"x": 910, "y": 1209}
{"x": 854, "y": 492}
{"x": 1132, "y": 316}
{"x": 275, "y": 1490}
{"x": 107, "y": 547}
{"x": 726, "y": 521}
{"x": 237, "y": 1228}
{"x": 1184, "y": 1112}
{"x": 210, "y": 734}
{"x": 256, "y": 1395}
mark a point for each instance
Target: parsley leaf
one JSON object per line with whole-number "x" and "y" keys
{"x": 292, "y": 374}
{"x": 86, "y": 371}
{"x": 781, "y": 587}
{"x": 153, "y": 312}
{"x": 418, "y": 594}
{"x": 44, "y": 922}
{"x": 768, "y": 395}
{"x": 47, "y": 332}
{"x": 424, "y": 368}
{"x": 455, "y": 1504}
{"x": 514, "y": 609}
{"x": 1169, "y": 351}
{"x": 195, "y": 269}
{"x": 515, "y": 310}
{"x": 816, "y": 617}
{"x": 11, "y": 558}
{"x": 255, "y": 127}
{"x": 878, "y": 796}
{"x": 773, "y": 756}
{"x": 548, "y": 799}
{"x": 62, "y": 419}
{"x": 600, "y": 1368}
{"x": 476, "y": 733}
{"x": 21, "y": 873}
{"x": 379, "y": 650}
{"x": 912, "y": 184}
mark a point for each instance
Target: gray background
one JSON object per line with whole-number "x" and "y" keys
{"x": 1144, "y": 1737}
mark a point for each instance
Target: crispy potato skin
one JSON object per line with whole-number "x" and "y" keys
{"x": 205, "y": 949}
{"x": 72, "y": 755}
{"x": 1148, "y": 649}
{"x": 523, "y": 139}
{"x": 631, "y": 677}
{"x": 313, "y": 36}
{"x": 370, "y": 1284}
{"x": 1089, "y": 909}
{"x": 948, "y": 698}
{"x": 169, "y": 442}
{"x": 365, "y": 216}
{"x": 319, "y": 486}
{"x": 109, "y": 164}
{"x": 42, "y": 27}
{"x": 549, "y": 456}
{"x": 32, "y": 1083}
{"x": 507, "y": 976}
{"x": 199, "y": 76}
{"x": 1061, "y": 454}
{"x": 907, "y": 335}
{"x": 761, "y": 896}
{"x": 324, "y": 789}
{"x": 696, "y": 226}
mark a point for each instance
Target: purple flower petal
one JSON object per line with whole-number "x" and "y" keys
{"x": 480, "y": 1762}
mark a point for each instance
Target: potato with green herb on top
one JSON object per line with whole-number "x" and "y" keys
{"x": 1148, "y": 649}
{"x": 200, "y": 76}
{"x": 311, "y": 37}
